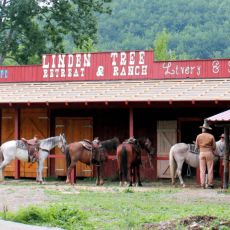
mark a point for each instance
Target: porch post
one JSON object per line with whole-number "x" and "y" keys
{"x": 16, "y": 137}
{"x": 131, "y": 132}
{"x": 226, "y": 158}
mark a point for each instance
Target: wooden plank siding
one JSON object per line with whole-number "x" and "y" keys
{"x": 75, "y": 129}
{"x": 33, "y": 121}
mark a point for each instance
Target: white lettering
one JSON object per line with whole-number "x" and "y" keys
{"x": 78, "y": 60}
{"x": 180, "y": 70}
{"x": 215, "y": 67}
{"x": 87, "y": 58}
{"x": 53, "y": 61}
{"x": 123, "y": 58}
{"x": 144, "y": 70}
{"x": 114, "y": 57}
{"x": 123, "y": 72}
{"x": 62, "y": 72}
{"x": 51, "y": 73}
{"x": 76, "y": 73}
{"x": 70, "y": 73}
{"x": 137, "y": 70}
{"x": 130, "y": 70}
{"x": 142, "y": 57}
{"x": 115, "y": 71}
{"x": 44, "y": 64}
{"x": 100, "y": 71}
{"x": 70, "y": 60}
{"x": 132, "y": 58}
{"x": 45, "y": 73}
{"x": 61, "y": 61}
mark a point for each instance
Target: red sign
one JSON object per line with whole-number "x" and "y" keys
{"x": 126, "y": 65}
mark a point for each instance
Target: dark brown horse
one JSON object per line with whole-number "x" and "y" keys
{"x": 95, "y": 152}
{"x": 129, "y": 159}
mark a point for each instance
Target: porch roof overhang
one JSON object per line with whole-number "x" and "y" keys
{"x": 174, "y": 90}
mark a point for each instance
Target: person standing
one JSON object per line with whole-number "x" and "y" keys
{"x": 220, "y": 150}
{"x": 206, "y": 143}
{"x": 220, "y": 146}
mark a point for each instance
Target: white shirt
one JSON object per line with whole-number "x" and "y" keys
{"x": 220, "y": 148}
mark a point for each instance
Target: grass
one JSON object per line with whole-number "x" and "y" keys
{"x": 114, "y": 208}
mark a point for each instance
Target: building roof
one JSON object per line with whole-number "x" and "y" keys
{"x": 116, "y": 91}
{"x": 220, "y": 117}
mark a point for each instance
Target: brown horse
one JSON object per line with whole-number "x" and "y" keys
{"x": 95, "y": 152}
{"x": 129, "y": 159}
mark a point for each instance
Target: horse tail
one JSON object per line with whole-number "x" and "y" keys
{"x": 172, "y": 164}
{"x": 67, "y": 157}
{"x": 123, "y": 162}
{"x": 1, "y": 156}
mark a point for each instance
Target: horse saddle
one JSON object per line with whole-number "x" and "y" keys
{"x": 32, "y": 146}
{"x": 192, "y": 148}
{"x": 131, "y": 140}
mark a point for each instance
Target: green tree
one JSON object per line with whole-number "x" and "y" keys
{"x": 161, "y": 51}
{"x": 29, "y": 28}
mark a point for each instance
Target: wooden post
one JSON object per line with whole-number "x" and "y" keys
{"x": 131, "y": 132}
{"x": 16, "y": 137}
{"x": 226, "y": 157}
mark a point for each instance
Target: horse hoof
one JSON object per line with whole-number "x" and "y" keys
{"x": 184, "y": 186}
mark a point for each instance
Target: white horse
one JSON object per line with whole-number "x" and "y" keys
{"x": 180, "y": 153}
{"x": 10, "y": 151}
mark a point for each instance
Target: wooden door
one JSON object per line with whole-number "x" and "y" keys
{"x": 33, "y": 122}
{"x": 75, "y": 129}
{"x": 8, "y": 119}
{"x": 166, "y": 137}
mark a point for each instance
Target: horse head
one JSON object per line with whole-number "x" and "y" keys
{"x": 146, "y": 144}
{"x": 62, "y": 142}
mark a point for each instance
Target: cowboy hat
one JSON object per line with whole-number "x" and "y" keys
{"x": 206, "y": 126}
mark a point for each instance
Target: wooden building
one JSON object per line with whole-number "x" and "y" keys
{"x": 111, "y": 94}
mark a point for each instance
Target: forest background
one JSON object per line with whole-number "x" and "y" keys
{"x": 179, "y": 29}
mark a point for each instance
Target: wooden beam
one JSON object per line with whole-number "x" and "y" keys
{"x": 131, "y": 132}
{"x": 16, "y": 137}
{"x": 226, "y": 158}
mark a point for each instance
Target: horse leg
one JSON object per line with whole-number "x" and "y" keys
{"x": 138, "y": 176}
{"x": 69, "y": 170}
{"x": 40, "y": 169}
{"x": 101, "y": 174}
{"x": 134, "y": 175}
{"x": 120, "y": 177}
{"x": 98, "y": 175}
{"x": 179, "y": 170}
{"x": 2, "y": 167}
{"x": 131, "y": 176}
{"x": 37, "y": 172}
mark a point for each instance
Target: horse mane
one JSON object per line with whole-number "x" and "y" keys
{"x": 47, "y": 141}
{"x": 110, "y": 145}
